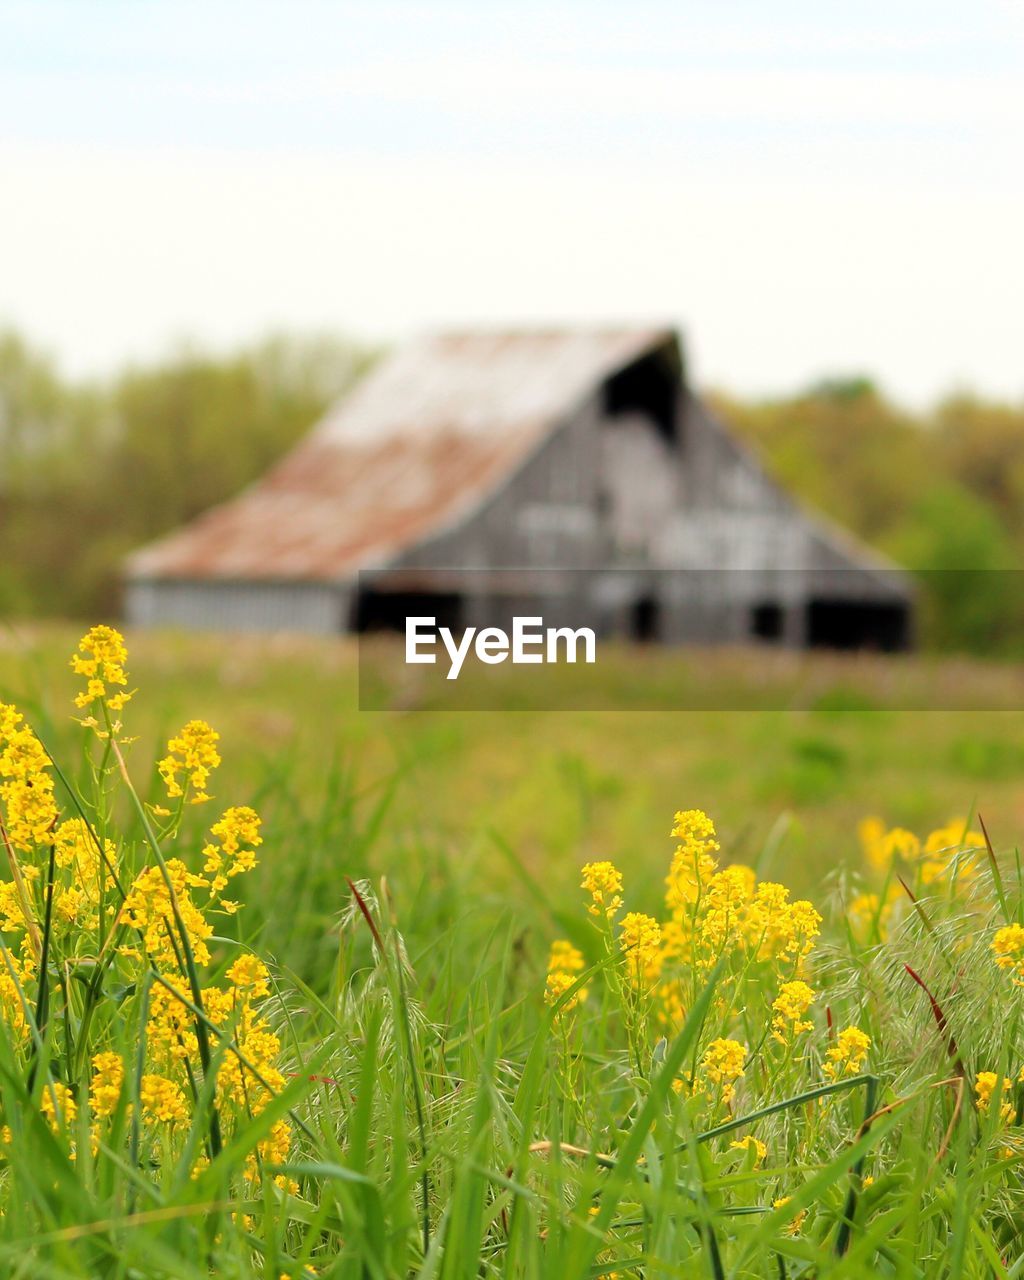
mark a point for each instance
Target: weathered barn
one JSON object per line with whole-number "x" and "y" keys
{"x": 468, "y": 471}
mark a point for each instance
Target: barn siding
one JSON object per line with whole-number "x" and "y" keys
{"x": 238, "y": 606}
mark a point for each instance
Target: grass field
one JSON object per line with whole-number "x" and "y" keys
{"x": 415, "y": 1105}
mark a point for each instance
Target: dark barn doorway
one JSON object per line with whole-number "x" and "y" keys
{"x": 645, "y": 619}
{"x": 766, "y": 622}
{"x": 858, "y": 624}
{"x": 388, "y": 610}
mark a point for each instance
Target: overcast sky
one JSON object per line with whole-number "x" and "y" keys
{"x": 806, "y": 187}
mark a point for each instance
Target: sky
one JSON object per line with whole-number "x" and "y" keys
{"x": 808, "y": 189}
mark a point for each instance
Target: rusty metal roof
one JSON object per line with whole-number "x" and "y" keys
{"x": 419, "y": 443}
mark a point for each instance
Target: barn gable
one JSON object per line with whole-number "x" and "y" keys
{"x": 468, "y": 454}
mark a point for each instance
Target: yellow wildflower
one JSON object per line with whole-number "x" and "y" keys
{"x": 954, "y": 838}
{"x": 58, "y": 1105}
{"x": 940, "y": 854}
{"x": 723, "y": 1064}
{"x": 789, "y": 1006}
{"x": 1008, "y": 949}
{"x": 871, "y": 833}
{"x": 640, "y": 941}
{"x": 564, "y": 963}
{"x": 249, "y": 974}
{"x": 12, "y": 1001}
{"x": 693, "y": 828}
{"x": 803, "y": 925}
{"x": 797, "y": 1221}
{"x": 693, "y": 862}
{"x": 557, "y": 984}
{"x": 163, "y": 1101}
{"x": 148, "y": 907}
{"x": 191, "y": 757}
{"x": 901, "y": 843}
{"x": 848, "y": 1054}
{"x": 107, "y": 1079}
{"x": 785, "y": 929}
{"x": 677, "y": 939}
{"x": 724, "y": 912}
{"x": 238, "y": 833}
{"x": 100, "y": 659}
{"x": 272, "y": 1150}
{"x": 566, "y": 957}
{"x": 12, "y": 917}
{"x": 603, "y": 881}
{"x": 669, "y": 1008}
{"x": 985, "y": 1085}
{"x": 750, "y": 1143}
{"x": 26, "y": 787}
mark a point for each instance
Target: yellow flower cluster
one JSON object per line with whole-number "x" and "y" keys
{"x": 273, "y": 1150}
{"x": 191, "y": 757}
{"x": 950, "y": 855}
{"x": 258, "y": 1043}
{"x": 142, "y": 922}
{"x": 1008, "y": 949}
{"x": 693, "y": 862}
{"x": 750, "y": 1143}
{"x": 153, "y": 907}
{"x": 723, "y": 1064}
{"x": 789, "y": 1007}
{"x": 163, "y": 1101}
{"x": 713, "y": 915}
{"x": 985, "y": 1086}
{"x": 565, "y": 962}
{"x": 849, "y": 1053}
{"x": 952, "y": 844}
{"x": 77, "y": 849}
{"x": 249, "y": 974}
{"x": 107, "y": 1081}
{"x": 58, "y": 1106}
{"x": 640, "y": 941}
{"x": 797, "y": 1221}
{"x": 728, "y": 911}
{"x": 603, "y": 881}
{"x": 13, "y": 981}
{"x": 238, "y": 833}
{"x": 100, "y": 658}
{"x": 948, "y": 846}
{"x": 26, "y": 785}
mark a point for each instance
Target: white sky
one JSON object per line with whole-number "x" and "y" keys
{"x": 806, "y": 187}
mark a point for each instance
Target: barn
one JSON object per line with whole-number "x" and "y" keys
{"x": 573, "y": 474}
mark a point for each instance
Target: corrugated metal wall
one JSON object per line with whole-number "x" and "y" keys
{"x": 239, "y": 606}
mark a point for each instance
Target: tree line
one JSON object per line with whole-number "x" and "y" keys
{"x": 90, "y": 470}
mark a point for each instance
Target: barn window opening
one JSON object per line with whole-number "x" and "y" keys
{"x": 388, "y": 610}
{"x": 645, "y": 619}
{"x": 766, "y": 621}
{"x": 858, "y": 624}
{"x": 650, "y": 386}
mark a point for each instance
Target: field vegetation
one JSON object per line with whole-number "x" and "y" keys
{"x": 294, "y": 989}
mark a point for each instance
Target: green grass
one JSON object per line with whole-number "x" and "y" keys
{"x": 446, "y": 1122}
